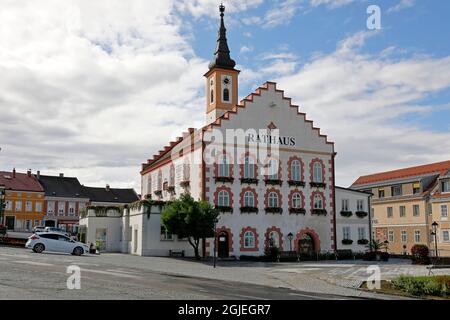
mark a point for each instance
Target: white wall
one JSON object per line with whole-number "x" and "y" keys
{"x": 353, "y": 222}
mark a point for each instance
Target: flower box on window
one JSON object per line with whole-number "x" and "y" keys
{"x": 294, "y": 183}
{"x": 148, "y": 196}
{"x": 297, "y": 211}
{"x": 185, "y": 183}
{"x": 318, "y": 184}
{"x": 319, "y": 212}
{"x": 363, "y": 241}
{"x": 249, "y": 180}
{"x": 224, "y": 209}
{"x": 224, "y": 179}
{"x": 158, "y": 193}
{"x": 273, "y": 182}
{"x": 274, "y": 210}
{"x": 249, "y": 210}
{"x": 361, "y": 214}
{"x": 171, "y": 189}
{"x": 347, "y": 241}
{"x": 346, "y": 213}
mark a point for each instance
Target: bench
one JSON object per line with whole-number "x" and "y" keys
{"x": 176, "y": 253}
{"x": 437, "y": 266}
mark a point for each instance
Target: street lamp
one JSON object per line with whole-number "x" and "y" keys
{"x": 434, "y": 226}
{"x": 290, "y": 236}
{"x": 215, "y": 240}
{"x": 2, "y": 205}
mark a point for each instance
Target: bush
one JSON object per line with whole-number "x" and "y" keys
{"x": 420, "y": 254}
{"x": 250, "y": 258}
{"x": 271, "y": 254}
{"x": 419, "y": 286}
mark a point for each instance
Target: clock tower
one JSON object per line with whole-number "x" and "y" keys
{"x": 222, "y": 78}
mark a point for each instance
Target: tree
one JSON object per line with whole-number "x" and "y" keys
{"x": 376, "y": 245}
{"x": 190, "y": 219}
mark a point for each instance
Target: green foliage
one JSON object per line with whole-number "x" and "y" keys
{"x": 376, "y": 245}
{"x": 271, "y": 254}
{"x": 420, "y": 286}
{"x": 190, "y": 219}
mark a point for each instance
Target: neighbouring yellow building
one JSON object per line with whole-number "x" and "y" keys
{"x": 24, "y": 198}
{"x": 406, "y": 202}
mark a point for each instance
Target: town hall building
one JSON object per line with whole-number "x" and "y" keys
{"x": 261, "y": 163}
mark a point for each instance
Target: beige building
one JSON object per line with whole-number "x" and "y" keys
{"x": 405, "y": 204}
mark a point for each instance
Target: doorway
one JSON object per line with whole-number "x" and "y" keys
{"x": 223, "y": 249}
{"x": 306, "y": 245}
{"x": 10, "y": 222}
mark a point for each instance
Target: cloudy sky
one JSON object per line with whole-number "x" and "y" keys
{"x": 94, "y": 88}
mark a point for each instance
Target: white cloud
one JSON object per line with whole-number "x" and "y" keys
{"x": 246, "y": 49}
{"x": 84, "y": 85}
{"x": 332, "y": 4}
{"x": 403, "y": 4}
{"x": 359, "y": 99}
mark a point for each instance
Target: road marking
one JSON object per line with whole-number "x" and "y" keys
{"x": 117, "y": 274}
{"x": 314, "y": 297}
{"x": 249, "y": 297}
{"x": 122, "y": 271}
{"x": 32, "y": 263}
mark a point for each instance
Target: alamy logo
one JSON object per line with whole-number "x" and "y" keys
{"x": 74, "y": 280}
{"x": 374, "y": 280}
{"x": 374, "y": 20}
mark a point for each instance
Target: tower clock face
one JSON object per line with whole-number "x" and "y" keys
{"x": 226, "y": 81}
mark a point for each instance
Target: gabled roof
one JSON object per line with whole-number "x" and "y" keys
{"x": 57, "y": 186}
{"x": 20, "y": 182}
{"x": 110, "y": 195}
{"x": 226, "y": 116}
{"x": 439, "y": 168}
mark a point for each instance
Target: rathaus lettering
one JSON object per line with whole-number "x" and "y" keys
{"x": 268, "y": 139}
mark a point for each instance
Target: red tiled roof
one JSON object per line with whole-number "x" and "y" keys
{"x": 21, "y": 182}
{"x": 438, "y": 168}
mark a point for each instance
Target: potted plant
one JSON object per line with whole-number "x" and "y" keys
{"x": 347, "y": 241}
{"x": 376, "y": 246}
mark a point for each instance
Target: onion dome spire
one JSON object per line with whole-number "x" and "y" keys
{"x": 222, "y": 54}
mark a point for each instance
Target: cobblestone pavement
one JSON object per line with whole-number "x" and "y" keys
{"x": 338, "y": 278}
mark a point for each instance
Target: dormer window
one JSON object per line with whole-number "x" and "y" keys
{"x": 445, "y": 186}
{"x": 416, "y": 188}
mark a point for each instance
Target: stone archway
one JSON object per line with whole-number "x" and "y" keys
{"x": 304, "y": 236}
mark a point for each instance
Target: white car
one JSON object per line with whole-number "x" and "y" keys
{"x": 56, "y": 242}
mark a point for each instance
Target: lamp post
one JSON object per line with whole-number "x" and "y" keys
{"x": 386, "y": 244}
{"x": 290, "y": 236}
{"x": 215, "y": 240}
{"x": 434, "y": 226}
{"x": 2, "y": 204}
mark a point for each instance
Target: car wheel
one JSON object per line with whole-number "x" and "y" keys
{"x": 39, "y": 248}
{"x": 78, "y": 251}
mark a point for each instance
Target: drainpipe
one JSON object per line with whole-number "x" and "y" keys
{"x": 334, "y": 200}
{"x": 370, "y": 217}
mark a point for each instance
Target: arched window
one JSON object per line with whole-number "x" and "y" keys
{"x": 249, "y": 168}
{"x": 249, "y": 199}
{"x": 226, "y": 94}
{"x": 318, "y": 201}
{"x": 317, "y": 177}
{"x": 172, "y": 176}
{"x": 160, "y": 182}
{"x": 212, "y": 96}
{"x": 295, "y": 170}
{"x": 274, "y": 239}
{"x": 224, "y": 199}
{"x": 272, "y": 168}
{"x": 249, "y": 239}
{"x": 273, "y": 200}
{"x": 296, "y": 201}
{"x": 186, "y": 171}
{"x": 224, "y": 168}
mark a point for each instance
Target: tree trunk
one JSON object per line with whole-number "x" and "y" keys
{"x": 195, "y": 246}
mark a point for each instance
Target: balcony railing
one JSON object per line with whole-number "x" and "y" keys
{"x": 249, "y": 180}
{"x": 317, "y": 184}
{"x": 297, "y": 210}
{"x": 249, "y": 210}
{"x": 295, "y": 183}
{"x": 273, "y": 182}
{"x": 224, "y": 179}
{"x": 274, "y": 210}
{"x": 319, "y": 212}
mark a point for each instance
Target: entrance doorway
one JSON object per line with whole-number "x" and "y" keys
{"x": 10, "y": 222}
{"x": 306, "y": 244}
{"x": 49, "y": 223}
{"x": 223, "y": 249}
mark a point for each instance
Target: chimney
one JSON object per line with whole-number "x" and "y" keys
{"x": 38, "y": 174}
{"x": 14, "y": 172}
{"x": 29, "y": 173}
{"x": 61, "y": 175}
{"x": 107, "y": 187}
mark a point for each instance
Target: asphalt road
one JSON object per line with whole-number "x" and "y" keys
{"x": 26, "y": 275}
